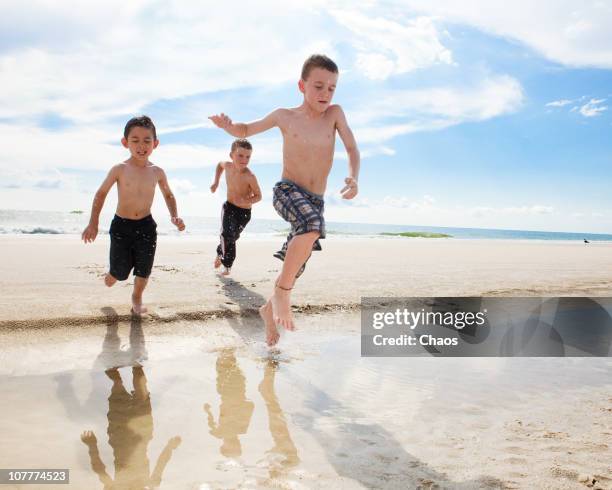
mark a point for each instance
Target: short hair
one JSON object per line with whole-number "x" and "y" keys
{"x": 318, "y": 61}
{"x": 142, "y": 122}
{"x": 242, "y": 143}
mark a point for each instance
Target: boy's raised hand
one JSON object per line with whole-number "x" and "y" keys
{"x": 178, "y": 222}
{"x": 221, "y": 121}
{"x": 350, "y": 190}
{"x": 90, "y": 233}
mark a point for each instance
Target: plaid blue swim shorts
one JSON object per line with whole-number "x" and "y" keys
{"x": 302, "y": 209}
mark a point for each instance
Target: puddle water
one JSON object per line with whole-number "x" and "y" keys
{"x": 207, "y": 406}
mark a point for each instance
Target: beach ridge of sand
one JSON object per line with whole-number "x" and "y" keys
{"x": 176, "y": 316}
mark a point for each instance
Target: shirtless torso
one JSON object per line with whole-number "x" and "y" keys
{"x": 241, "y": 185}
{"x": 308, "y": 146}
{"x": 136, "y": 189}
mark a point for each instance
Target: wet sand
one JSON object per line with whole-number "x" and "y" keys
{"x": 205, "y": 405}
{"x": 190, "y": 396}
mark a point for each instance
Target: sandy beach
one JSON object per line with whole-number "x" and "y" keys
{"x": 57, "y": 279}
{"x": 190, "y": 397}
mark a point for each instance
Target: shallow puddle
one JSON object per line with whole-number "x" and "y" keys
{"x": 186, "y": 405}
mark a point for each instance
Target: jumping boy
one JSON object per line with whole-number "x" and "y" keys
{"x": 308, "y": 149}
{"x": 242, "y": 192}
{"x": 133, "y": 231}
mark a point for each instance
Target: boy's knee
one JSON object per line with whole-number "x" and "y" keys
{"x": 313, "y": 235}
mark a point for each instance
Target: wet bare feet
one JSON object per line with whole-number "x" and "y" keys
{"x": 109, "y": 280}
{"x": 217, "y": 262}
{"x": 137, "y": 307}
{"x": 281, "y": 308}
{"x": 272, "y": 334}
{"x": 226, "y": 271}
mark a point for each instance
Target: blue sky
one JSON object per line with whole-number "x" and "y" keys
{"x": 476, "y": 114}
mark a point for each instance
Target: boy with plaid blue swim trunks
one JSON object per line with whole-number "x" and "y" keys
{"x": 309, "y": 133}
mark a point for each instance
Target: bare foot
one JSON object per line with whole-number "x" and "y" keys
{"x": 226, "y": 271}
{"x": 217, "y": 262}
{"x": 109, "y": 280}
{"x": 137, "y": 307}
{"x": 281, "y": 308}
{"x": 272, "y": 334}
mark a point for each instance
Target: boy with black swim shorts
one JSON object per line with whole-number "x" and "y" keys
{"x": 309, "y": 133}
{"x": 242, "y": 192}
{"x": 133, "y": 231}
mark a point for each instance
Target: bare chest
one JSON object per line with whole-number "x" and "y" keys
{"x": 303, "y": 134}
{"x": 236, "y": 181}
{"x": 138, "y": 181}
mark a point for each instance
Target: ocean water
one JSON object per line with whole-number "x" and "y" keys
{"x": 19, "y": 222}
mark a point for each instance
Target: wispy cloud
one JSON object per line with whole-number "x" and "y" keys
{"x": 559, "y": 103}
{"x": 398, "y": 112}
{"x": 593, "y": 108}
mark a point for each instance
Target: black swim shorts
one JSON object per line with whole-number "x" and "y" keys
{"x": 133, "y": 243}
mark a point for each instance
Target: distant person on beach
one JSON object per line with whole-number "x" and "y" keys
{"x": 309, "y": 132}
{"x": 242, "y": 192}
{"x": 133, "y": 232}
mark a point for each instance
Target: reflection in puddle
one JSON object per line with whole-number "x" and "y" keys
{"x": 318, "y": 415}
{"x": 130, "y": 429}
{"x": 235, "y": 410}
{"x": 235, "y": 413}
{"x": 284, "y": 455}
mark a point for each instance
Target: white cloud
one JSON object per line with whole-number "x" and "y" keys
{"x": 435, "y": 108}
{"x": 182, "y": 186}
{"x": 386, "y": 47}
{"x": 593, "y": 108}
{"x": 90, "y": 148}
{"x": 148, "y": 52}
{"x": 568, "y": 32}
{"x": 559, "y": 103}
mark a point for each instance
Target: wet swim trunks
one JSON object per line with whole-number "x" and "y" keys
{"x": 303, "y": 210}
{"x": 233, "y": 221}
{"x": 133, "y": 243}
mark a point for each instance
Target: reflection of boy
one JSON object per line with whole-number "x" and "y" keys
{"x": 242, "y": 192}
{"x": 235, "y": 410}
{"x": 130, "y": 429}
{"x": 133, "y": 231}
{"x": 309, "y": 133}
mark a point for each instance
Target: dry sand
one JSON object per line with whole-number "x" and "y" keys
{"x": 49, "y": 280}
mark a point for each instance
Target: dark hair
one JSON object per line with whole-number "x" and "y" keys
{"x": 142, "y": 122}
{"x": 318, "y": 61}
{"x": 242, "y": 143}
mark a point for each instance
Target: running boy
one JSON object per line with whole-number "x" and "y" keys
{"x": 308, "y": 149}
{"x": 242, "y": 192}
{"x": 133, "y": 231}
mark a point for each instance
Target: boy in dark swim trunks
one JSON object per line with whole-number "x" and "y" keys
{"x": 309, "y": 133}
{"x": 133, "y": 231}
{"x": 242, "y": 192}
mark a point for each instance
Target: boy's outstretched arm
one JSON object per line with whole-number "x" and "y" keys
{"x": 218, "y": 172}
{"x": 243, "y": 130}
{"x": 163, "y": 460}
{"x": 89, "y": 438}
{"x": 164, "y": 187}
{"x": 350, "y": 190}
{"x": 91, "y": 231}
